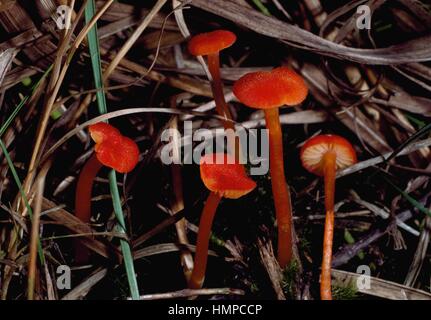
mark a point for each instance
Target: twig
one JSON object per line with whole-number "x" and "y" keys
{"x": 192, "y": 292}
{"x": 347, "y": 252}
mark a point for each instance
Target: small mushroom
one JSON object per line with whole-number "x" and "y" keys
{"x": 224, "y": 177}
{"x": 210, "y": 44}
{"x": 269, "y": 90}
{"x": 323, "y": 155}
{"x": 112, "y": 150}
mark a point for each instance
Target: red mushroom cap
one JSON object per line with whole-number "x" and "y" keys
{"x": 315, "y": 148}
{"x": 222, "y": 175}
{"x": 113, "y": 149}
{"x": 102, "y": 130}
{"x": 271, "y": 89}
{"x": 212, "y": 42}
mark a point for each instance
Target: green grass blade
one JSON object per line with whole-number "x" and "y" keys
{"x": 24, "y": 197}
{"x": 125, "y": 247}
{"x": 261, "y": 7}
{"x": 93, "y": 43}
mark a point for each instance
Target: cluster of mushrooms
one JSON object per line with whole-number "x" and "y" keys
{"x": 221, "y": 173}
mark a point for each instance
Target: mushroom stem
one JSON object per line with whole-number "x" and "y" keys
{"x": 221, "y": 105}
{"x": 280, "y": 189}
{"x": 329, "y": 170}
{"x": 201, "y": 256}
{"x": 217, "y": 88}
{"x": 83, "y": 201}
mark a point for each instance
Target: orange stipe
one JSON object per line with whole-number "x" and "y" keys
{"x": 212, "y": 42}
{"x": 271, "y": 89}
{"x": 323, "y": 155}
{"x": 225, "y": 178}
{"x": 112, "y": 150}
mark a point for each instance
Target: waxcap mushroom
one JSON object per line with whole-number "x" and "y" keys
{"x": 313, "y": 151}
{"x": 211, "y": 42}
{"x": 113, "y": 149}
{"x": 271, "y": 89}
{"x": 221, "y": 175}
{"x": 101, "y": 131}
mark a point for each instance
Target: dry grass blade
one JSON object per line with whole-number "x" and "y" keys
{"x": 420, "y": 254}
{"x": 34, "y": 238}
{"x": 190, "y": 293}
{"x": 272, "y": 267}
{"x": 132, "y": 39}
{"x": 6, "y": 58}
{"x": 412, "y": 51}
{"x": 74, "y": 224}
{"x": 81, "y": 290}
{"x": 165, "y": 248}
{"x": 374, "y": 161}
{"x": 381, "y": 288}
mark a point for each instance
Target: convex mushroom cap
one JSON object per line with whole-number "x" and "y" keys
{"x": 223, "y": 176}
{"x": 314, "y": 150}
{"x": 271, "y": 89}
{"x": 212, "y": 42}
{"x": 113, "y": 149}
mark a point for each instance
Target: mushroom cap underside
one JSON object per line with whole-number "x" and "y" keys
{"x": 314, "y": 150}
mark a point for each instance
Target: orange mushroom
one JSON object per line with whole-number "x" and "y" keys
{"x": 269, "y": 90}
{"x": 224, "y": 177}
{"x": 112, "y": 150}
{"x": 210, "y": 44}
{"x": 323, "y": 155}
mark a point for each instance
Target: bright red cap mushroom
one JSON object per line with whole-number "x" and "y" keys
{"x": 212, "y": 42}
{"x": 113, "y": 149}
{"x": 314, "y": 149}
{"x": 102, "y": 130}
{"x": 271, "y": 89}
{"x": 222, "y": 175}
